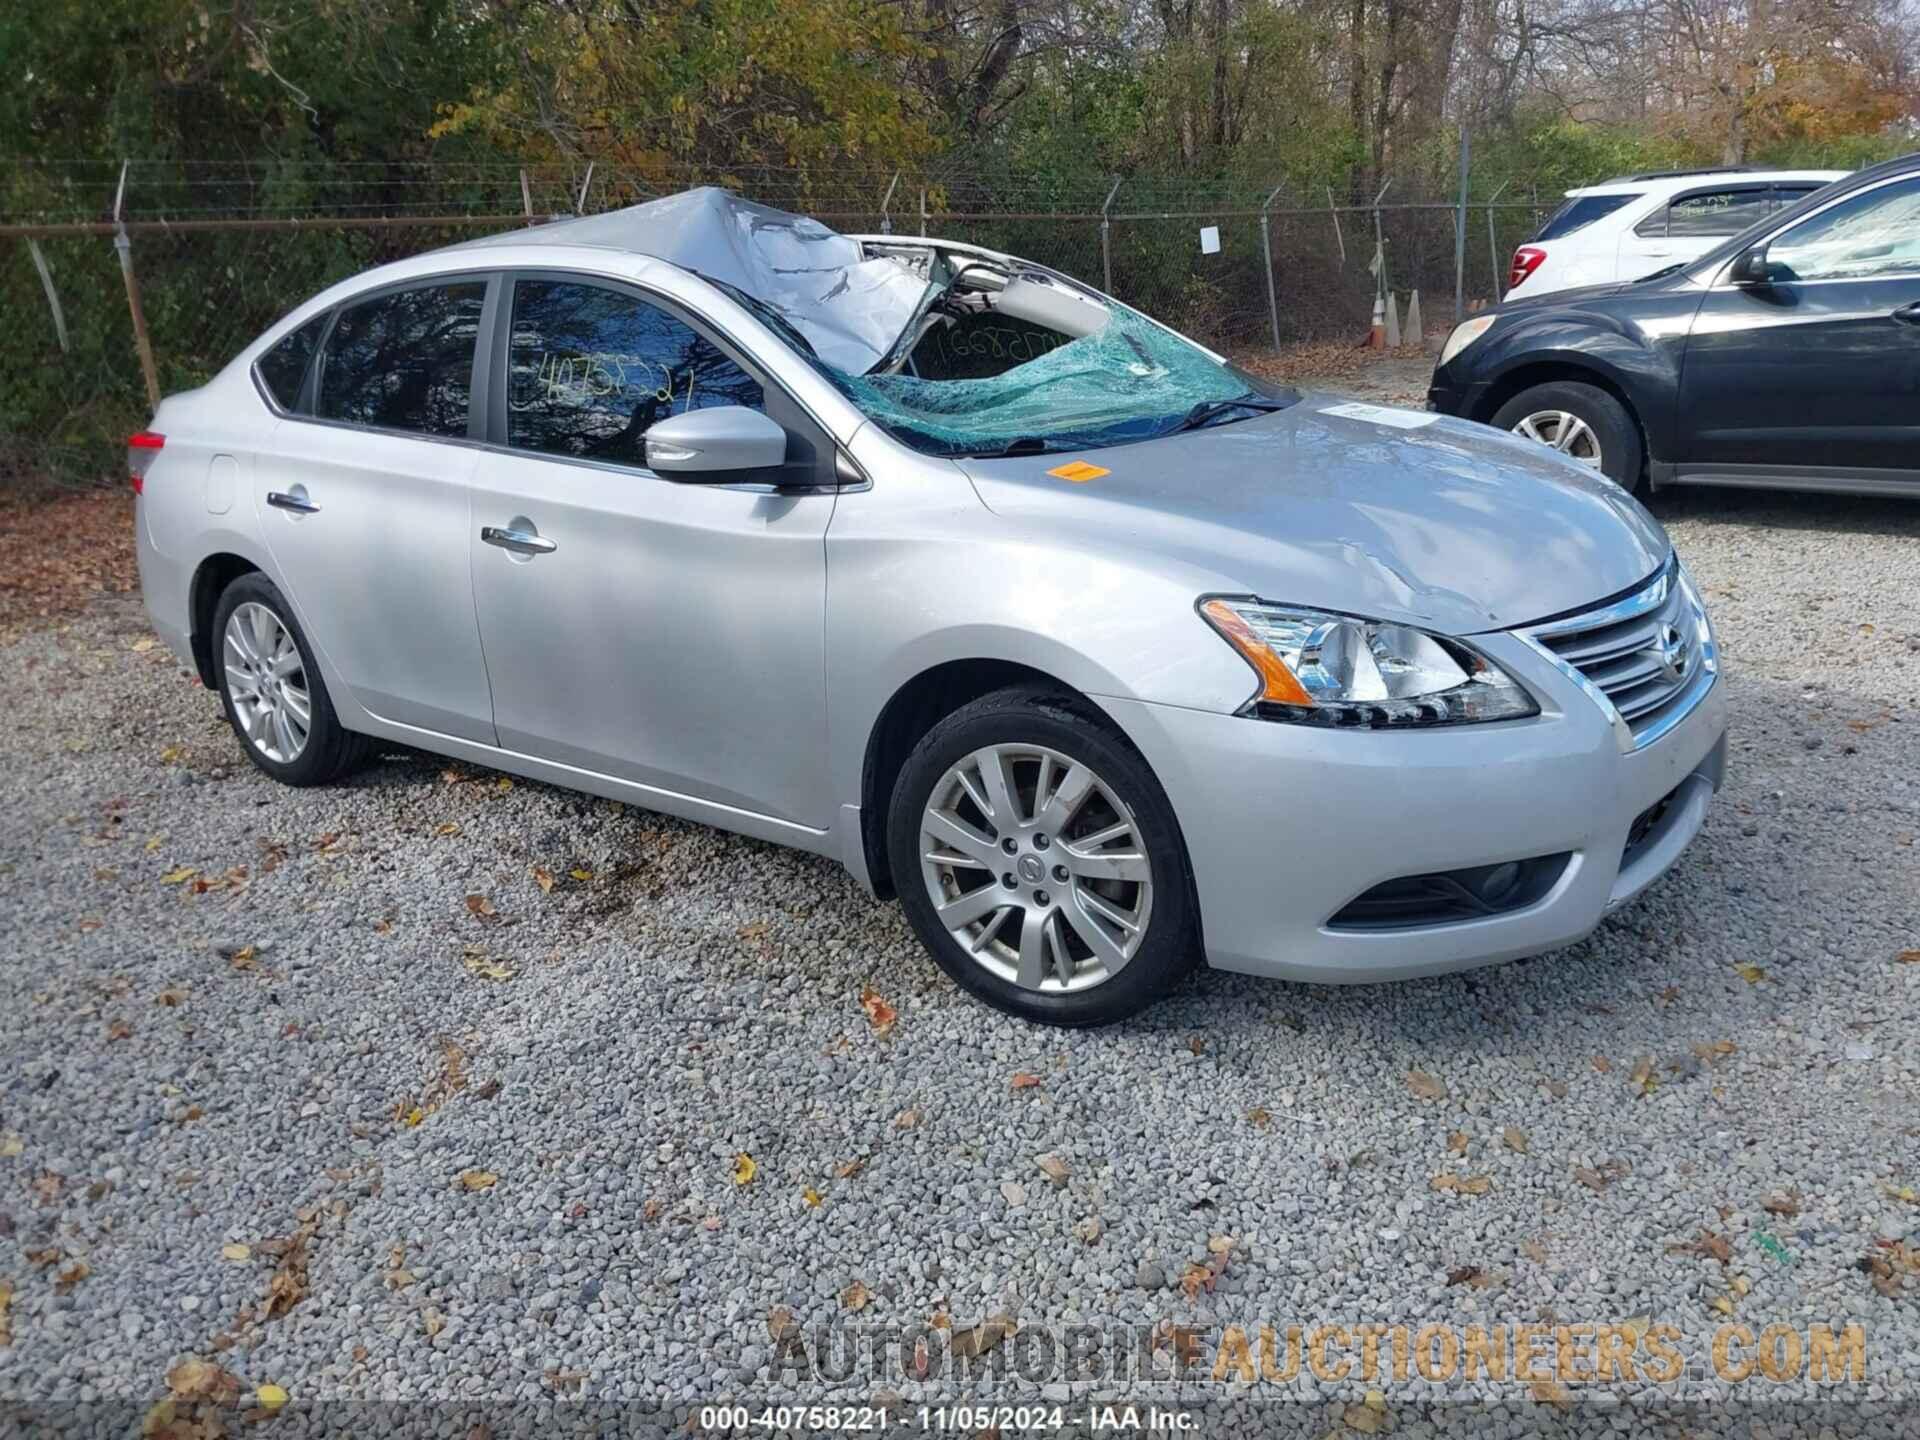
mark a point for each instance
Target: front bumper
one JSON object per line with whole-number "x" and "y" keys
{"x": 1286, "y": 824}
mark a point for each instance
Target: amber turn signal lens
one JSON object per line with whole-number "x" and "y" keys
{"x": 1278, "y": 684}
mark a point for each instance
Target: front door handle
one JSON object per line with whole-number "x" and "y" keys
{"x": 298, "y": 504}
{"x": 1908, "y": 314}
{"x": 523, "y": 542}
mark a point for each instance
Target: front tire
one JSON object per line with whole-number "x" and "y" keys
{"x": 271, "y": 688}
{"x": 1581, "y": 421}
{"x": 1040, "y": 863}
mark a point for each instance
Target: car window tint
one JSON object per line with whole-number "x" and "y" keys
{"x": 283, "y": 369}
{"x": 1654, "y": 226}
{"x": 1785, "y": 195}
{"x": 404, "y": 360}
{"x": 1716, "y": 212}
{"x": 1874, "y": 233}
{"x": 1579, "y": 213}
{"x": 591, "y": 368}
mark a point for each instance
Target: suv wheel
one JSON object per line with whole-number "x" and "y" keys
{"x": 1040, "y": 863}
{"x": 1580, "y": 421}
{"x": 271, "y": 687}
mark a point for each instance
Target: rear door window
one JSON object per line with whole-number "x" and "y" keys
{"x": 1717, "y": 213}
{"x": 404, "y": 360}
{"x": 1580, "y": 212}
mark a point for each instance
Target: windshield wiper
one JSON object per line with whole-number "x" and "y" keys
{"x": 1209, "y": 410}
{"x": 1024, "y": 445}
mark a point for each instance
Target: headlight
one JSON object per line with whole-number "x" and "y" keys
{"x": 1464, "y": 334}
{"x": 1338, "y": 671}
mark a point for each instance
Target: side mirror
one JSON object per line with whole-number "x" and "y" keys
{"x": 716, "y": 444}
{"x": 1751, "y": 268}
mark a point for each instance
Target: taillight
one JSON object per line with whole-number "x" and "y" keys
{"x": 1526, "y": 260}
{"x": 141, "y": 450}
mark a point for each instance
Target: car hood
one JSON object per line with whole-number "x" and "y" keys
{"x": 1392, "y": 514}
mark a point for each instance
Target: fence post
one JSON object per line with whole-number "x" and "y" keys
{"x": 142, "y": 343}
{"x": 1266, "y": 253}
{"x": 1493, "y": 245}
{"x": 886, "y": 203}
{"x": 923, "y": 212}
{"x": 1380, "y": 244}
{"x": 1338, "y": 238}
{"x": 1106, "y": 239}
{"x": 1460, "y": 231}
{"x": 526, "y": 194}
{"x": 580, "y": 203}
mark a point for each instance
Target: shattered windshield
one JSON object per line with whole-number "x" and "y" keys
{"x": 1129, "y": 380}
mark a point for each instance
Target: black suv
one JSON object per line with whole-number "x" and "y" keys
{"x": 1789, "y": 357}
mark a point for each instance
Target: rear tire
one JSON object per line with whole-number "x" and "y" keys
{"x": 1099, "y": 919}
{"x": 272, "y": 691}
{"x": 1594, "y": 421}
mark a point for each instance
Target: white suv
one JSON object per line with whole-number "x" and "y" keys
{"x": 1638, "y": 224}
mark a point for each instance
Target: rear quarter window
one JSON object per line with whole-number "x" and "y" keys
{"x": 1580, "y": 212}
{"x": 283, "y": 369}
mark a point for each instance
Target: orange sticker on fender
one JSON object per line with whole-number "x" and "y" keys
{"x": 1079, "y": 471}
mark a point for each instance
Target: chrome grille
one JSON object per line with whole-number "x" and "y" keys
{"x": 1646, "y": 659}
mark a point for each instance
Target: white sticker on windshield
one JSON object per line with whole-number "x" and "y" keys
{"x": 1381, "y": 415}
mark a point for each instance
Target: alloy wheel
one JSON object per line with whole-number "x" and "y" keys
{"x": 1036, "y": 867}
{"x": 1565, "y": 432}
{"x": 267, "y": 682}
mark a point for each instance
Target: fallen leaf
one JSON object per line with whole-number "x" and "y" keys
{"x": 1780, "y": 1203}
{"x": 1642, "y": 1077}
{"x": 583, "y": 875}
{"x": 780, "y": 1324}
{"x": 1551, "y": 1392}
{"x": 1470, "y": 1275}
{"x": 242, "y": 959}
{"x": 810, "y": 1197}
{"x": 1708, "y": 1246}
{"x": 236, "y": 1252}
{"x": 480, "y": 905}
{"x": 879, "y": 1013}
{"x": 484, "y": 967}
{"x": 1260, "y": 1117}
{"x": 1722, "y": 1304}
{"x": 1424, "y": 1086}
{"x": 1054, "y": 1168}
{"x": 179, "y": 875}
{"x": 1534, "y": 1251}
{"x": 1457, "y": 1141}
{"x": 269, "y": 1397}
{"x": 1907, "y": 957}
{"x": 982, "y": 1337}
{"x": 478, "y": 1179}
{"x": 11, "y": 1145}
{"x": 197, "y": 1379}
{"x": 503, "y": 784}
{"x": 855, "y": 1296}
{"x": 1462, "y": 1184}
{"x": 1752, "y": 974}
{"x": 744, "y": 1169}
{"x": 1197, "y": 1044}
{"x": 1906, "y": 1194}
{"x": 1603, "y": 1064}
{"x": 544, "y": 879}
{"x": 446, "y": 827}
{"x": 1014, "y": 1193}
{"x": 1366, "y": 1419}
{"x": 1516, "y": 1140}
{"x": 1087, "y": 1231}
{"x": 1024, "y": 1081}
{"x": 64, "y": 1282}
{"x": 433, "y": 1322}
{"x": 907, "y": 1120}
{"x": 754, "y": 929}
{"x": 846, "y": 1170}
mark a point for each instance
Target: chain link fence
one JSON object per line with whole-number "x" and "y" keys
{"x": 120, "y": 281}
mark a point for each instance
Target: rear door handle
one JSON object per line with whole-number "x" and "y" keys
{"x": 298, "y": 504}
{"x": 521, "y": 541}
{"x": 1908, "y": 314}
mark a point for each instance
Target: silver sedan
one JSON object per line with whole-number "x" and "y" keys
{"x": 1102, "y": 655}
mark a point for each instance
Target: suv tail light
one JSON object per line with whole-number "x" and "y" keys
{"x": 1526, "y": 260}
{"x": 141, "y": 450}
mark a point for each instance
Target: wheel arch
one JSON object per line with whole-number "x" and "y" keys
{"x": 211, "y": 577}
{"x": 913, "y": 709}
{"x": 1525, "y": 376}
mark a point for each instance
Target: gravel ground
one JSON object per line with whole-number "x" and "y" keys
{"x": 479, "y": 1139}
